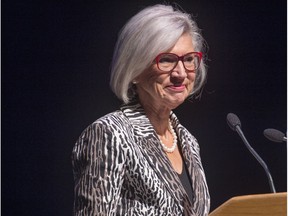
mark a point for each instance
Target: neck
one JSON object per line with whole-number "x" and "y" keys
{"x": 159, "y": 118}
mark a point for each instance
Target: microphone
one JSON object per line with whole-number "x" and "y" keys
{"x": 235, "y": 124}
{"x": 274, "y": 135}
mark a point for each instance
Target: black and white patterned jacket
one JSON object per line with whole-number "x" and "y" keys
{"x": 120, "y": 169}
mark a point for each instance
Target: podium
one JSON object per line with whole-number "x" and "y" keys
{"x": 273, "y": 204}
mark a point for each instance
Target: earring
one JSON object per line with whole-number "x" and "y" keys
{"x": 135, "y": 82}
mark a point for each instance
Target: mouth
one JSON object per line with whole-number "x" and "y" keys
{"x": 177, "y": 87}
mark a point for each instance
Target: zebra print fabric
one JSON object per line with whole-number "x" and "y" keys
{"x": 120, "y": 169}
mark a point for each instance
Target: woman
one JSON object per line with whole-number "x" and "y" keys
{"x": 140, "y": 160}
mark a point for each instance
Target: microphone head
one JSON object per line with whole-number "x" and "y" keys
{"x": 233, "y": 121}
{"x": 274, "y": 135}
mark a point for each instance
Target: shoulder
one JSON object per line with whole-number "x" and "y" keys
{"x": 181, "y": 129}
{"x": 110, "y": 123}
{"x": 105, "y": 132}
{"x": 114, "y": 118}
{"x": 184, "y": 133}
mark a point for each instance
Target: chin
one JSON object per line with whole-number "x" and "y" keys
{"x": 175, "y": 103}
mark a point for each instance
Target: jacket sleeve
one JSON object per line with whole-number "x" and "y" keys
{"x": 98, "y": 166}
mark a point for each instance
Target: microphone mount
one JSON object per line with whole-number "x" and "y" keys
{"x": 235, "y": 124}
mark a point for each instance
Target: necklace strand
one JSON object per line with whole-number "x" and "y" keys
{"x": 173, "y": 147}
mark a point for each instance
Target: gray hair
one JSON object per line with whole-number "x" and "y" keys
{"x": 153, "y": 30}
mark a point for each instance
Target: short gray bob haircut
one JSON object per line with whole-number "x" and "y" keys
{"x": 153, "y": 30}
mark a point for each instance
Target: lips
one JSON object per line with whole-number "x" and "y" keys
{"x": 177, "y": 87}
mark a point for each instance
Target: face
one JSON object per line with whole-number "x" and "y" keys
{"x": 167, "y": 89}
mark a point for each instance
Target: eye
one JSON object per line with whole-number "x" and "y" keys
{"x": 167, "y": 59}
{"x": 189, "y": 59}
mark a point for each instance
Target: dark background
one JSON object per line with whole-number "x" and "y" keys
{"x": 55, "y": 70}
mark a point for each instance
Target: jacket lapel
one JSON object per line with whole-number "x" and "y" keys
{"x": 191, "y": 156}
{"x": 150, "y": 146}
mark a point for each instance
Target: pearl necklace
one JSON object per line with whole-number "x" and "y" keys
{"x": 173, "y": 147}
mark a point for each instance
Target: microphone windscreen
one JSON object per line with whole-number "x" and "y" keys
{"x": 274, "y": 135}
{"x": 233, "y": 121}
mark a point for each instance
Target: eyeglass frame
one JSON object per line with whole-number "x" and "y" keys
{"x": 180, "y": 58}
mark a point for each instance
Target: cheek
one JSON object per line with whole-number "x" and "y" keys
{"x": 155, "y": 85}
{"x": 150, "y": 81}
{"x": 191, "y": 78}
{"x": 152, "y": 78}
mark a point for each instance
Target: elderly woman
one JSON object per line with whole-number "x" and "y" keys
{"x": 140, "y": 160}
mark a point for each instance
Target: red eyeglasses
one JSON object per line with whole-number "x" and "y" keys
{"x": 168, "y": 61}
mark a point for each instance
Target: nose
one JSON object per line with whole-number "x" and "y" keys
{"x": 179, "y": 71}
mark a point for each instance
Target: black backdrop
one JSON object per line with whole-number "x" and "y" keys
{"x": 55, "y": 70}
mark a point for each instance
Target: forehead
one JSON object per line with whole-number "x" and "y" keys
{"x": 183, "y": 45}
